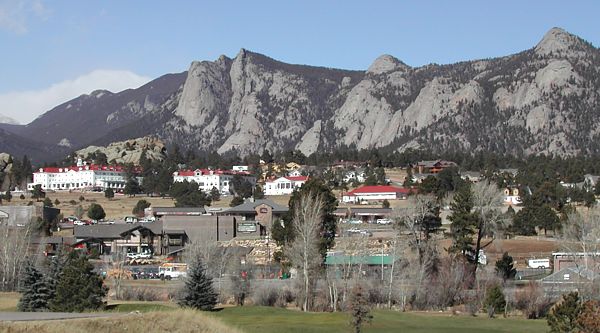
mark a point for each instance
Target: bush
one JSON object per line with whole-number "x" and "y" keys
{"x": 532, "y": 302}
{"x": 265, "y": 296}
{"x": 495, "y": 302}
{"x": 139, "y": 294}
{"x": 73, "y": 202}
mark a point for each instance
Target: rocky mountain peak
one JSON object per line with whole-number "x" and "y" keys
{"x": 557, "y": 41}
{"x": 386, "y": 63}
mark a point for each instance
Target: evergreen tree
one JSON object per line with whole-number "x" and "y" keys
{"x": 78, "y": 287}
{"x": 385, "y": 204}
{"x": 96, "y": 212}
{"x": 188, "y": 194}
{"x": 132, "y": 187}
{"x": 109, "y": 193}
{"x": 7, "y": 196}
{"x": 215, "y": 195}
{"x": 463, "y": 221}
{"x": 37, "y": 193}
{"x": 35, "y": 293}
{"x": 198, "y": 292}
{"x": 495, "y": 301}
{"x": 140, "y": 207}
{"x": 505, "y": 267}
{"x": 563, "y": 316}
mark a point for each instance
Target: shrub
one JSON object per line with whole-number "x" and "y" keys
{"x": 563, "y": 316}
{"x": 265, "y": 296}
{"x": 139, "y": 294}
{"x": 495, "y": 301}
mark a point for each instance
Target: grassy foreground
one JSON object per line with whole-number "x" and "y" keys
{"x": 266, "y": 320}
{"x": 185, "y": 321}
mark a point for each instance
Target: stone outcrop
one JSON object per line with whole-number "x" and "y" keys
{"x": 129, "y": 151}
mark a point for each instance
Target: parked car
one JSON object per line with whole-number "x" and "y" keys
{"x": 79, "y": 222}
{"x": 384, "y": 221}
{"x": 355, "y": 221}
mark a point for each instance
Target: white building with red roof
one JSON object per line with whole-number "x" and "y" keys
{"x": 80, "y": 176}
{"x": 207, "y": 179}
{"x": 284, "y": 185}
{"x": 375, "y": 192}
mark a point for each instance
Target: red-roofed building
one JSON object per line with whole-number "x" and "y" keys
{"x": 375, "y": 192}
{"x": 284, "y": 185}
{"x": 207, "y": 179}
{"x": 80, "y": 176}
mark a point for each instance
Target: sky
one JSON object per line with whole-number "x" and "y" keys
{"x": 55, "y": 50}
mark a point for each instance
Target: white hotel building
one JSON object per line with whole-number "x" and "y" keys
{"x": 81, "y": 176}
{"x": 207, "y": 179}
{"x": 284, "y": 185}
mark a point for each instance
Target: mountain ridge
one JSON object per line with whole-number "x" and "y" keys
{"x": 543, "y": 100}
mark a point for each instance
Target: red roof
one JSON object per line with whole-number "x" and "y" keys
{"x": 379, "y": 189}
{"x": 297, "y": 178}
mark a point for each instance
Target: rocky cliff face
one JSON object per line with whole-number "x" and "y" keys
{"x": 129, "y": 151}
{"x": 542, "y": 100}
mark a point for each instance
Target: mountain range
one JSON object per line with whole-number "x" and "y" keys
{"x": 541, "y": 100}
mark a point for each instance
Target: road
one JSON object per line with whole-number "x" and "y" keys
{"x": 34, "y": 316}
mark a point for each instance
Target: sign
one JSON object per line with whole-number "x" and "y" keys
{"x": 246, "y": 227}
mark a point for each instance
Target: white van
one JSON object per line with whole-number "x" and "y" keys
{"x": 538, "y": 263}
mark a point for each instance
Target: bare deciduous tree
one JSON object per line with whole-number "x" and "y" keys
{"x": 581, "y": 238}
{"x": 304, "y": 250}
{"x": 14, "y": 247}
{"x": 487, "y": 200}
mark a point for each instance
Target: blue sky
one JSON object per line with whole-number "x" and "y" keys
{"x": 59, "y": 49}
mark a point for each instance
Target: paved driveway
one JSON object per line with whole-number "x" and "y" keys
{"x": 30, "y": 316}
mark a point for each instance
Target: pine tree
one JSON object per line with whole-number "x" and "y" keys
{"x": 78, "y": 288}
{"x": 505, "y": 267}
{"x": 35, "y": 293}
{"x": 463, "y": 221}
{"x": 198, "y": 292}
{"x": 495, "y": 301}
{"x": 563, "y": 317}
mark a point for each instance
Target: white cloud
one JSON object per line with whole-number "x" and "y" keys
{"x": 24, "y": 106}
{"x": 15, "y": 14}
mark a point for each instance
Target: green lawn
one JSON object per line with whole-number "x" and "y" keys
{"x": 266, "y": 319}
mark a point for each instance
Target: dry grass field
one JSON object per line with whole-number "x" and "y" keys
{"x": 165, "y": 321}
{"x": 120, "y": 205}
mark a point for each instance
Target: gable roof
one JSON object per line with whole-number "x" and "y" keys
{"x": 249, "y": 207}
{"x": 573, "y": 272}
{"x": 297, "y": 178}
